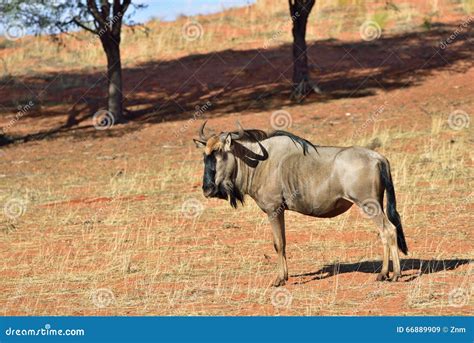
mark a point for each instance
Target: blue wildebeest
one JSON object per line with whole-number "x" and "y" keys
{"x": 281, "y": 171}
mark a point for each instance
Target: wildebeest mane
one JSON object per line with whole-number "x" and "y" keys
{"x": 305, "y": 144}
{"x": 254, "y": 135}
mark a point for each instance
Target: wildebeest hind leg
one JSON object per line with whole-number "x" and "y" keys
{"x": 392, "y": 239}
{"x": 389, "y": 240}
{"x": 380, "y": 220}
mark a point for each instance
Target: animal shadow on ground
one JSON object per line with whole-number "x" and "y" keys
{"x": 420, "y": 267}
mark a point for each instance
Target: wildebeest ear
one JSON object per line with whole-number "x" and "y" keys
{"x": 199, "y": 144}
{"x": 227, "y": 143}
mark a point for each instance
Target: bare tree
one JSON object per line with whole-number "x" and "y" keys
{"x": 108, "y": 26}
{"x": 103, "y": 18}
{"x": 302, "y": 84}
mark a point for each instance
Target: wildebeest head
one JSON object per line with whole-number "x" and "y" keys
{"x": 220, "y": 164}
{"x": 222, "y": 151}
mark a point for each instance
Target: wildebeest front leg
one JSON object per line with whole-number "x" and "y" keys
{"x": 277, "y": 221}
{"x": 380, "y": 219}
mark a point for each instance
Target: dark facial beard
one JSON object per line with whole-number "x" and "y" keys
{"x": 232, "y": 193}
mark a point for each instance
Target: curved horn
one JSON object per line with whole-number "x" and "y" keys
{"x": 202, "y": 136}
{"x": 241, "y": 132}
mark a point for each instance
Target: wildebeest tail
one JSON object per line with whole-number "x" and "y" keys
{"x": 392, "y": 213}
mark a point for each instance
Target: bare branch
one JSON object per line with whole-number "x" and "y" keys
{"x": 105, "y": 10}
{"x": 92, "y": 9}
{"x": 118, "y": 14}
{"x": 140, "y": 26}
{"x": 81, "y": 25}
{"x": 125, "y": 5}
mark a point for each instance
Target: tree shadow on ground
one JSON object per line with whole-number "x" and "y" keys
{"x": 245, "y": 80}
{"x": 419, "y": 267}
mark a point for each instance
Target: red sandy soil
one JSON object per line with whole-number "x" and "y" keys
{"x": 104, "y": 208}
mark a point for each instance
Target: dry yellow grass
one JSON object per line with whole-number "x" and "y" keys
{"x": 155, "y": 260}
{"x": 264, "y": 24}
{"x": 103, "y": 226}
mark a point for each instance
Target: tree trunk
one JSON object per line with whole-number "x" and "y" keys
{"x": 302, "y": 85}
{"x": 114, "y": 75}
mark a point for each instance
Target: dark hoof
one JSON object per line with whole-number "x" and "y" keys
{"x": 278, "y": 282}
{"x": 382, "y": 277}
